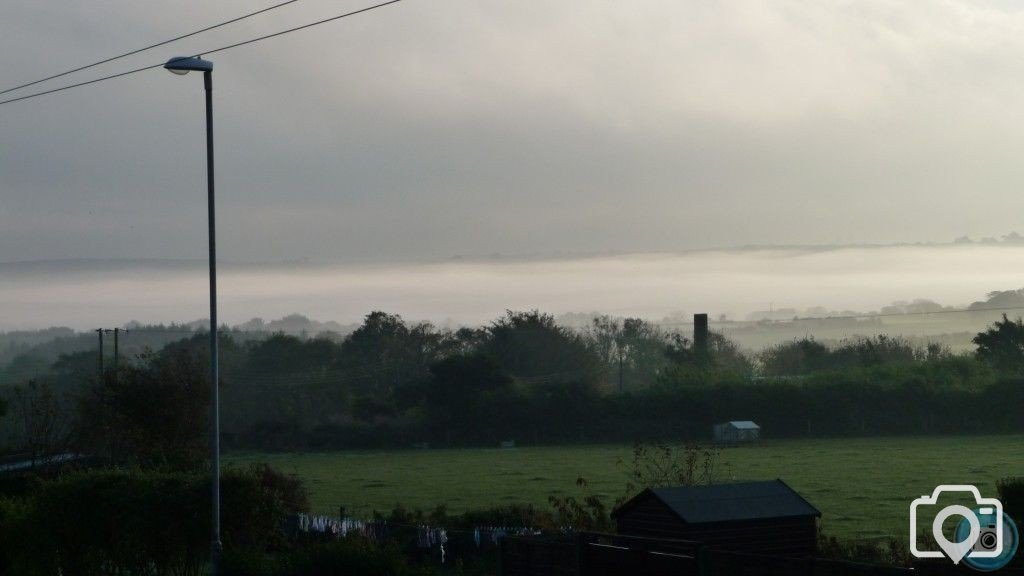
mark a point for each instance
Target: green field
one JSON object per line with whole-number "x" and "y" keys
{"x": 863, "y": 486}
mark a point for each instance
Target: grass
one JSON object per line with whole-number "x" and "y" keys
{"x": 863, "y": 486}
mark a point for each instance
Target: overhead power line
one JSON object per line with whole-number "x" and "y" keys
{"x": 86, "y": 83}
{"x": 297, "y": 28}
{"x": 150, "y": 47}
{"x": 202, "y": 53}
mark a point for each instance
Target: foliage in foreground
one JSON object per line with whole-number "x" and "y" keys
{"x": 141, "y": 522}
{"x": 652, "y": 465}
{"x": 890, "y": 552}
{"x": 1011, "y": 494}
{"x": 351, "y": 556}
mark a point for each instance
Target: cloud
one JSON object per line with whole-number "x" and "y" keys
{"x": 431, "y": 128}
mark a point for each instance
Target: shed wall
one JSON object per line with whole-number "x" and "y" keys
{"x": 795, "y": 536}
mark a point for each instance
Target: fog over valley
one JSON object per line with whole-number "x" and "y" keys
{"x": 741, "y": 284}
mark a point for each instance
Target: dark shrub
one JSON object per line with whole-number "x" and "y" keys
{"x": 353, "y": 556}
{"x": 131, "y": 521}
{"x": 1011, "y": 494}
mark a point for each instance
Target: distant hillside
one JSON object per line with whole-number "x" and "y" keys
{"x": 25, "y": 354}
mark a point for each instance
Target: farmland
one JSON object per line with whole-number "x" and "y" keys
{"x": 863, "y": 486}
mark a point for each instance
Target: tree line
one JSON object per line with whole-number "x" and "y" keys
{"x": 522, "y": 377}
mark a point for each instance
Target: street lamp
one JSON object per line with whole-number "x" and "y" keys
{"x": 184, "y": 65}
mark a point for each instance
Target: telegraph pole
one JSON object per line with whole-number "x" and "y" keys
{"x": 117, "y": 348}
{"x": 117, "y": 355}
{"x": 620, "y": 370}
{"x": 100, "y": 332}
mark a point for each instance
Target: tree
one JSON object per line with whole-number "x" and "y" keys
{"x": 795, "y": 358}
{"x": 606, "y": 338}
{"x": 917, "y": 306}
{"x": 286, "y": 355}
{"x": 807, "y": 356}
{"x": 633, "y": 350}
{"x": 368, "y": 409}
{"x": 42, "y": 421}
{"x": 74, "y": 371}
{"x": 466, "y": 340}
{"x": 387, "y": 353}
{"x": 460, "y": 392}
{"x": 864, "y": 352}
{"x": 1000, "y": 299}
{"x": 531, "y": 345}
{"x": 723, "y": 355}
{"x": 660, "y": 463}
{"x": 1002, "y": 346}
{"x": 23, "y": 368}
{"x": 154, "y": 413}
{"x": 588, "y": 512}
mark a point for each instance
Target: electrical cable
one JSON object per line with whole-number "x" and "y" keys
{"x": 86, "y": 83}
{"x": 150, "y": 47}
{"x": 205, "y": 52}
{"x": 297, "y": 28}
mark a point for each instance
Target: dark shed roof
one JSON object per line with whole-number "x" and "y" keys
{"x": 729, "y": 502}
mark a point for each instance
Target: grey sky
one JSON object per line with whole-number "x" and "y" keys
{"x": 432, "y": 128}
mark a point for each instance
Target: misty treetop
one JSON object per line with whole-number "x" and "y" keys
{"x": 523, "y": 377}
{"x": 28, "y": 354}
{"x": 387, "y": 374}
{"x": 805, "y": 356}
{"x": 1002, "y": 346}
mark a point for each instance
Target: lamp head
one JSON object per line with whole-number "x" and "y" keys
{"x": 186, "y": 64}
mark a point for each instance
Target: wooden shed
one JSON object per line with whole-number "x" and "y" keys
{"x": 756, "y": 517}
{"x": 736, "y": 432}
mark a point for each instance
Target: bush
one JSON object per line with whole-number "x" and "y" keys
{"x": 131, "y": 521}
{"x": 891, "y": 552}
{"x": 153, "y": 414}
{"x": 336, "y": 558}
{"x": 508, "y": 515}
{"x": 1011, "y": 494}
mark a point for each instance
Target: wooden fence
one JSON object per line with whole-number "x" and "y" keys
{"x": 595, "y": 554}
{"x": 537, "y": 556}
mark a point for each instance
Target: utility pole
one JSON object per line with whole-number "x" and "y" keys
{"x": 117, "y": 355}
{"x": 620, "y": 370}
{"x": 117, "y": 348}
{"x": 100, "y": 332}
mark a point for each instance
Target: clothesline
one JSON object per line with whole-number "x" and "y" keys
{"x": 427, "y": 537}
{"x": 515, "y": 531}
{"x": 510, "y": 530}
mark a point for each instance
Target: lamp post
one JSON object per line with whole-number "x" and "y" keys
{"x": 184, "y": 65}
